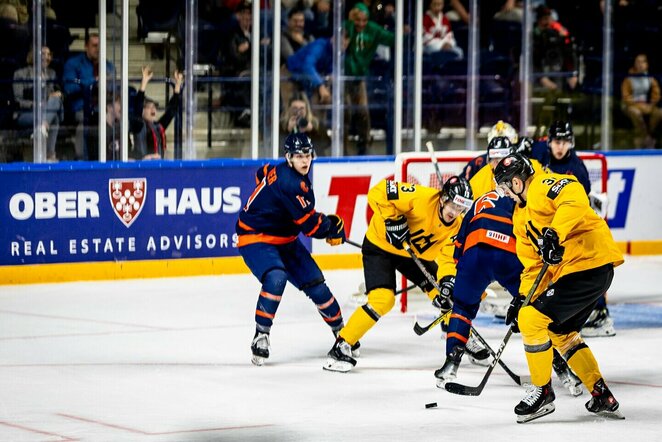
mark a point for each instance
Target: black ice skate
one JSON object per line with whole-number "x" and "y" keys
{"x": 448, "y": 371}
{"x": 340, "y": 357}
{"x": 538, "y": 402}
{"x": 477, "y": 353}
{"x": 599, "y": 324}
{"x": 356, "y": 353}
{"x": 603, "y": 402}
{"x": 566, "y": 375}
{"x": 260, "y": 348}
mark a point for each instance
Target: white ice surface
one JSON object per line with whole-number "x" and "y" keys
{"x": 169, "y": 360}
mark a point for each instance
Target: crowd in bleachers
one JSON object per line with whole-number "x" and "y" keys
{"x": 566, "y": 57}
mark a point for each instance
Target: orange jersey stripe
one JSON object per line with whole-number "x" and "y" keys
{"x": 245, "y": 240}
{"x": 270, "y": 296}
{"x": 326, "y": 304}
{"x": 334, "y": 318}
{"x": 501, "y": 219}
{"x": 245, "y": 226}
{"x": 264, "y": 314}
{"x": 312, "y": 232}
{"x": 457, "y": 336}
{"x": 303, "y": 219}
{"x": 461, "y": 318}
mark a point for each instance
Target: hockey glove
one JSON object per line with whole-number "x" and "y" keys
{"x": 397, "y": 231}
{"x": 550, "y": 249}
{"x": 443, "y": 299}
{"x": 513, "y": 311}
{"x": 336, "y": 234}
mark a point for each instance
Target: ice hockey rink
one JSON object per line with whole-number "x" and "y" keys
{"x": 169, "y": 360}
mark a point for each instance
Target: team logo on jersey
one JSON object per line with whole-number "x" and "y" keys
{"x": 391, "y": 190}
{"x": 304, "y": 187}
{"x": 549, "y": 293}
{"x": 558, "y": 186}
{"x": 127, "y": 196}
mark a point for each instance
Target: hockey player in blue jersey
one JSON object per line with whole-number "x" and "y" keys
{"x": 282, "y": 206}
{"x": 485, "y": 251}
{"x": 560, "y": 157}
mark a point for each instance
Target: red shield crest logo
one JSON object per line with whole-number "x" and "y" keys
{"x": 127, "y": 196}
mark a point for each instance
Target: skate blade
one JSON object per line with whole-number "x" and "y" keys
{"x": 441, "y": 383}
{"x": 575, "y": 390}
{"x": 611, "y": 414}
{"x": 257, "y": 360}
{"x": 481, "y": 362}
{"x": 544, "y": 410}
{"x": 337, "y": 366}
{"x": 589, "y": 332}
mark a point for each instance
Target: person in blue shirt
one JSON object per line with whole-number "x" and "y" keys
{"x": 560, "y": 157}
{"x": 280, "y": 208}
{"x": 80, "y": 76}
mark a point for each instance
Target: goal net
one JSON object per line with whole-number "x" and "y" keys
{"x": 417, "y": 167}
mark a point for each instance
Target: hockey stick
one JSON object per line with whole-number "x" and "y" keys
{"x": 419, "y": 329}
{"x": 433, "y": 158}
{"x": 466, "y": 390}
{"x": 352, "y": 243}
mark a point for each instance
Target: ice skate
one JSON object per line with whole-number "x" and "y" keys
{"x": 538, "y": 402}
{"x": 566, "y": 375}
{"x": 260, "y": 348}
{"x": 477, "y": 353}
{"x": 448, "y": 371}
{"x": 599, "y": 324}
{"x": 340, "y": 357}
{"x": 603, "y": 402}
{"x": 356, "y": 352}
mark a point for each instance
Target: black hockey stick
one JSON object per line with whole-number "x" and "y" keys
{"x": 419, "y": 330}
{"x": 466, "y": 390}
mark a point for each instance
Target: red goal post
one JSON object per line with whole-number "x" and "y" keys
{"x": 417, "y": 167}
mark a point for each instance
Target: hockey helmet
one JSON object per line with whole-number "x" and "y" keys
{"x": 499, "y": 147}
{"x": 457, "y": 190}
{"x": 502, "y": 129}
{"x": 514, "y": 165}
{"x": 561, "y": 130}
{"x": 298, "y": 143}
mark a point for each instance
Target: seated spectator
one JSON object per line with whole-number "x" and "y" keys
{"x": 52, "y": 108}
{"x": 293, "y": 37}
{"x": 8, "y": 12}
{"x": 641, "y": 95}
{"x": 81, "y": 74}
{"x": 437, "y": 32}
{"x": 150, "y": 137}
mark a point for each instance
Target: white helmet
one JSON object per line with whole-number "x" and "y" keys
{"x": 502, "y": 129}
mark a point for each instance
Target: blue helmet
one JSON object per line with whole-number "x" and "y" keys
{"x": 298, "y": 143}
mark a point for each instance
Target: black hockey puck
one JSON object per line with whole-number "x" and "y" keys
{"x": 431, "y": 405}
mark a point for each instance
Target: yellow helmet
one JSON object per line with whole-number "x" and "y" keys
{"x": 502, "y": 129}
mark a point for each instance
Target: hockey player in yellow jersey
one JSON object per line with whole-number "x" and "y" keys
{"x": 554, "y": 224}
{"x": 425, "y": 218}
{"x": 497, "y": 149}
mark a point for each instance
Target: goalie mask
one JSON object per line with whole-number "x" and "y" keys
{"x": 502, "y": 129}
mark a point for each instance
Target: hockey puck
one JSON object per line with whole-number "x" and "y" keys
{"x": 431, "y": 405}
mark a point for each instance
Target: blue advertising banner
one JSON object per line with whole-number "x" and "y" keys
{"x": 117, "y": 212}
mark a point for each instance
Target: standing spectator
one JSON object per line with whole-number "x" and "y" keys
{"x": 641, "y": 95}
{"x": 437, "y": 32}
{"x": 293, "y": 37}
{"x": 81, "y": 75}
{"x": 364, "y": 38}
{"x": 53, "y": 111}
{"x": 553, "y": 53}
{"x": 150, "y": 136}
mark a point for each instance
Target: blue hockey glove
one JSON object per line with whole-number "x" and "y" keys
{"x": 336, "y": 234}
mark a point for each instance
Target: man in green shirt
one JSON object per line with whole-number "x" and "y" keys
{"x": 364, "y": 38}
